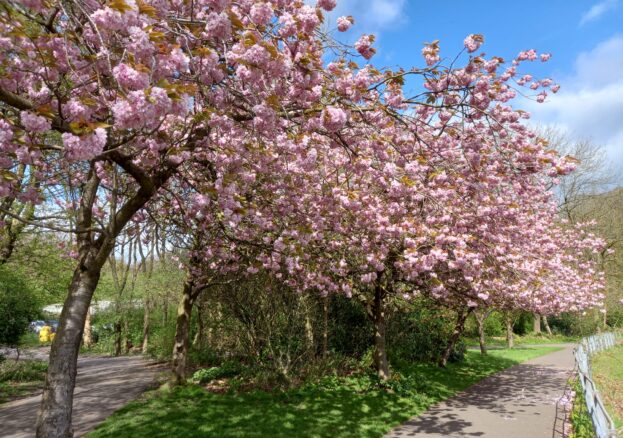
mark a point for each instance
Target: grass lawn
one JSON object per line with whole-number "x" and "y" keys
{"x": 20, "y": 378}
{"x": 334, "y": 407}
{"x": 608, "y": 374}
{"x": 529, "y": 339}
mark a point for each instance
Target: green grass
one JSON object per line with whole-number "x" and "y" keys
{"x": 530, "y": 339}
{"x": 608, "y": 375}
{"x": 20, "y": 378}
{"x": 334, "y": 407}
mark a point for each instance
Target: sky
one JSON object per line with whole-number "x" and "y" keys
{"x": 585, "y": 38}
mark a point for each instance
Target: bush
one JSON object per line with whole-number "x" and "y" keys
{"x": 18, "y": 306}
{"x": 228, "y": 369}
{"x": 422, "y": 333}
{"x": 350, "y": 330}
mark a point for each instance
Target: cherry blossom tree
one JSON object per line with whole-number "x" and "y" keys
{"x": 117, "y": 98}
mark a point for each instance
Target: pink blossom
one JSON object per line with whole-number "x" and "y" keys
{"x": 217, "y": 26}
{"x": 364, "y": 46}
{"x": 130, "y": 78}
{"x": 327, "y": 5}
{"x": 473, "y": 42}
{"x": 261, "y": 13}
{"x": 431, "y": 54}
{"x": 84, "y": 147}
{"x": 334, "y": 118}
{"x": 545, "y": 57}
{"x": 34, "y": 123}
{"x": 344, "y": 23}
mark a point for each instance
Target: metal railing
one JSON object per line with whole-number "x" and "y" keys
{"x": 603, "y": 424}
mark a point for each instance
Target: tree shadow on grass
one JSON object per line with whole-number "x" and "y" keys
{"x": 338, "y": 412}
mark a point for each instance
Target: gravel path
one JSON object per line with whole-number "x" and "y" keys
{"x": 520, "y": 402}
{"x": 104, "y": 384}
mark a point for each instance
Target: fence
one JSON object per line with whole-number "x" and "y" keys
{"x": 604, "y": 426}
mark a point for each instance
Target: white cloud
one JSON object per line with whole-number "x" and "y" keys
{"x": 590, "y": 103}
{"x": 371, "y": 16}
{"x": 598, "y": 10}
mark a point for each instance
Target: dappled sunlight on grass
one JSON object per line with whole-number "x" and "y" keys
{"x": 348, "y": 407}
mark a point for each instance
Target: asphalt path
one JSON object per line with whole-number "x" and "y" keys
{"x": 103, "y": 385}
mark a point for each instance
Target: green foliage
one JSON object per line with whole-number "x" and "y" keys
{"x": 350, "y": 329}
{"x": 18, "y": 306}
{"x": 573, "y": 324}
{"x": 228, "y": 369}
{"x": 22, "y": 370}
{"x": 422, "y": 334}
{"x": 581, "y": 423}
{"x": 348, "y": 406}
{"x": 21, "y": 377}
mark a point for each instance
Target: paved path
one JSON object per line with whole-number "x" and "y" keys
{"x": 104, "y": 385}
{"x": 520, "y": 402}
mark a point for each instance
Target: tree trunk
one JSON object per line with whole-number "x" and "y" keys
{"x": 87, "y": 337}
{"x": 510, "y": 338}
{"x": 56, "y": 404}
{"x": 146, "y": 327}
{"x": 117, "y": 328}
{"x": 200, "y": 337}
{"x": 310, "y": 342}
{"x": 456, "y": 334}
{"x": 182, "y": 333}
{"x": 481, "y": 336}
{"x": 546, "y": 324}
{"x": 127, "y": 341}
{"x": 536, "y": 328}
{"x": 325, "y": 326}
{"x": 378, "y": 317}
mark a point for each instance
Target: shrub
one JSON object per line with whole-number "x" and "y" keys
{"x": 228, "y": 369}
{"x": 421, "y": 334}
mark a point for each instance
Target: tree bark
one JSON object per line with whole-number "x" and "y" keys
{"x": 378, "y": 317}
{"x": 182, "y": 333}
{"x": 117, "y": 328}
{"x": 56, "y": 405}
{"x": 87, "y": 337}
{"x": 146, "y": 327}
{"x": 481, "y": 336}
{"x": 459, "y": 326}
{"x": 510, "y": 337}
{"x": 200, "y": 337}
{"x": 546, "y": 324}
{"x": 536, "y": 328}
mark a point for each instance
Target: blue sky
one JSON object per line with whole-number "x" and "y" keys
{"x": 585, "y": 38}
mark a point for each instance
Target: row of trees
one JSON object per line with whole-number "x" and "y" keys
{"x": 267, "y": 150}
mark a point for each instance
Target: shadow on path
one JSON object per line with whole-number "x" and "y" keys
{"x": 104, "y": 384}
{"x": 518, "y": 402}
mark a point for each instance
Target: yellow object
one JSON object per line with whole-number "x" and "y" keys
{"x": 45, "y": 334}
